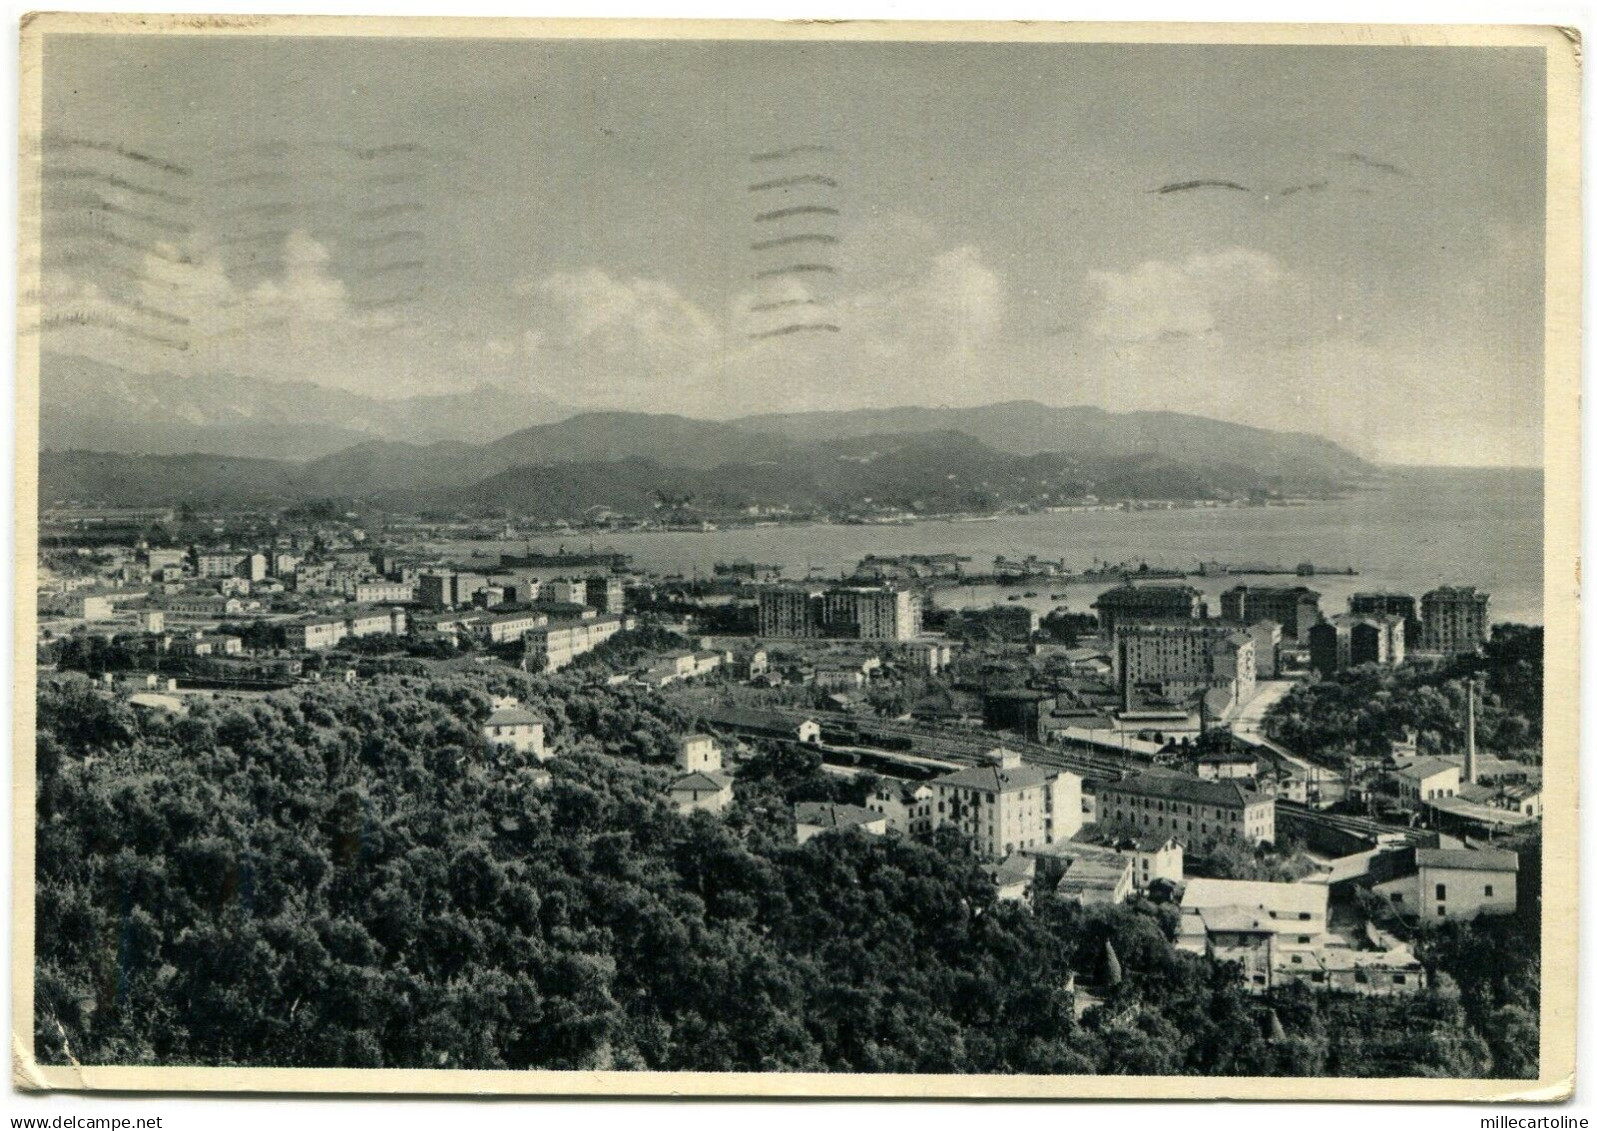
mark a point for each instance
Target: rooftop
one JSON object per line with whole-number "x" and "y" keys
{"x": 832, "y": 815}
{"x": 1467, "y": 860}
{"x": 1427, "y": 768}
{"x": 512, "y": 716}
{"x": 996, "y": 779}
{"x": 1283, "y": 899}
{"x": 1185, "y": 788}
{"x": 701, "y": 780}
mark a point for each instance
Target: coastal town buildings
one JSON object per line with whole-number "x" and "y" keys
{"x": 1186, "y": 809}
{"x": 555, "y": 644}
{"x": 1009, "y": 805}
{"x": 1435, "y": 884}
{"x": 1185, "y": 658}
{"x": 514, "y": 727}
{"x": 850, "y": 612}
{"x": 1295, "y": 608}
{"x": 906, "y": 805}
{"x": 1147, "y": 602}
{"x": 1350, "y": 640}
{"x": 1392, "y": 605}
{"x": 1453, "y": 620}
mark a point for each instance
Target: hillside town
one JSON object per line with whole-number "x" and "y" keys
{"x": 1122, "y": 754}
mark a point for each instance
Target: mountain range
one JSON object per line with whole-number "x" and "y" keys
{"x": 929, "y": 459}
{"x": 89, "y": 405}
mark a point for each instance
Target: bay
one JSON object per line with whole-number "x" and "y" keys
{"x": 1422, "y": 528}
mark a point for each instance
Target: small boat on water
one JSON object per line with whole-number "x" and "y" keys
{"x": 1031, "y": 593}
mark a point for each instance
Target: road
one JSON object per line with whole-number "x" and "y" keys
{"x": 1249, "y": 718}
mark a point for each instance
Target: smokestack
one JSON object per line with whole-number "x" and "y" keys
{"x": 1470, "y": 770}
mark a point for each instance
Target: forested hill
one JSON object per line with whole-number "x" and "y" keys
{"x": 341, "y": 876}
{"x": 560, "y": 471}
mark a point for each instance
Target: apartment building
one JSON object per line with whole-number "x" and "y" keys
{"x": 556, "y": 644}
{"x": 1009, "y": 806}
{"x": 1185, "y": 658}
{"x": 1296, "y": 608}
{"x": 1453, "y": 620}
{"x": 1147, "y": 602}
{"x": 1186, "y": 808}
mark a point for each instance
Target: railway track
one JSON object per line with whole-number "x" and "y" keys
{"x": 1347, "y": 823}
{"x": 936, "y": 743}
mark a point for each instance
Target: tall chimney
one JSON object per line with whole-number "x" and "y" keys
{"x": 1470, "y": 770}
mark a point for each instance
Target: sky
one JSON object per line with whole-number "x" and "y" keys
{"x": 717, "y": 228}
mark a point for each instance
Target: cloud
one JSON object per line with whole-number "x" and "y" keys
{"x": 636, "y": 326}
{"x": 1158, "y": 300}
{"x": 178, "y": 311}
{"x": 634, "y": 342}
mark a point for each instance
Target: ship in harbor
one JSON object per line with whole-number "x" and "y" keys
{"x": 1258, "y": 569}
{"x": 1128, "y": 571}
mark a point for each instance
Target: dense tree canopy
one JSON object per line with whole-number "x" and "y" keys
{"x": 347, "y": 876}
{"x": 1361, "y": 711}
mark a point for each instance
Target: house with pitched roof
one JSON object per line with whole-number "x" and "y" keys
{"x": 813, "y": 818}
{"x": 1426, "y": 779}
{"x": 515, "y": 728}
{"x": 709, "y": 790}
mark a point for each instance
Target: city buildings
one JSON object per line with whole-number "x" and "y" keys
{"x": 1453, "y": 620}
{"x": 555, "y": 644}
{"x": 788, "y": 612}
{"x": 607, "y": 593}
{"x": 564, "y": 591}
{"x": 1187, "y": 809}
{"x": 1087, "y": 873}
{"x": 1426, "y": 779}
{"x": 442, "y": 590}
{"x": 711, "y": 792}
{"x": 906, "y": 805}
{"x": 1254, "y": 924}
{"x": 1009, "y": 806}
{"x": 315, "y": 633}
{"x": 851, "y": 612}
{"x": 1147, "y": 602}
{"x": 1390, "y": 605}
{"x": 501, "y": 628}
{"x": 702, "y": 784}
{"x": 384, "y": 592}
{"x": 697, "y": 752}
{"x": 1350, "y": 640}
{"x": 1295, "y": 608}
{"x": 1184, "y": 658}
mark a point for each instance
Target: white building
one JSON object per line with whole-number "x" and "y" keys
{"x": 698, "y": 753}
{"x": 1433, "y": 884}
{"x": 906, "y": 805}
{"x": 1426, "y": 780}
{"x": 710, "y": 791}
{"x": 1255, "y": 924}
{"x": 518, "y": 729}
{"x": 1009, "y": 806}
